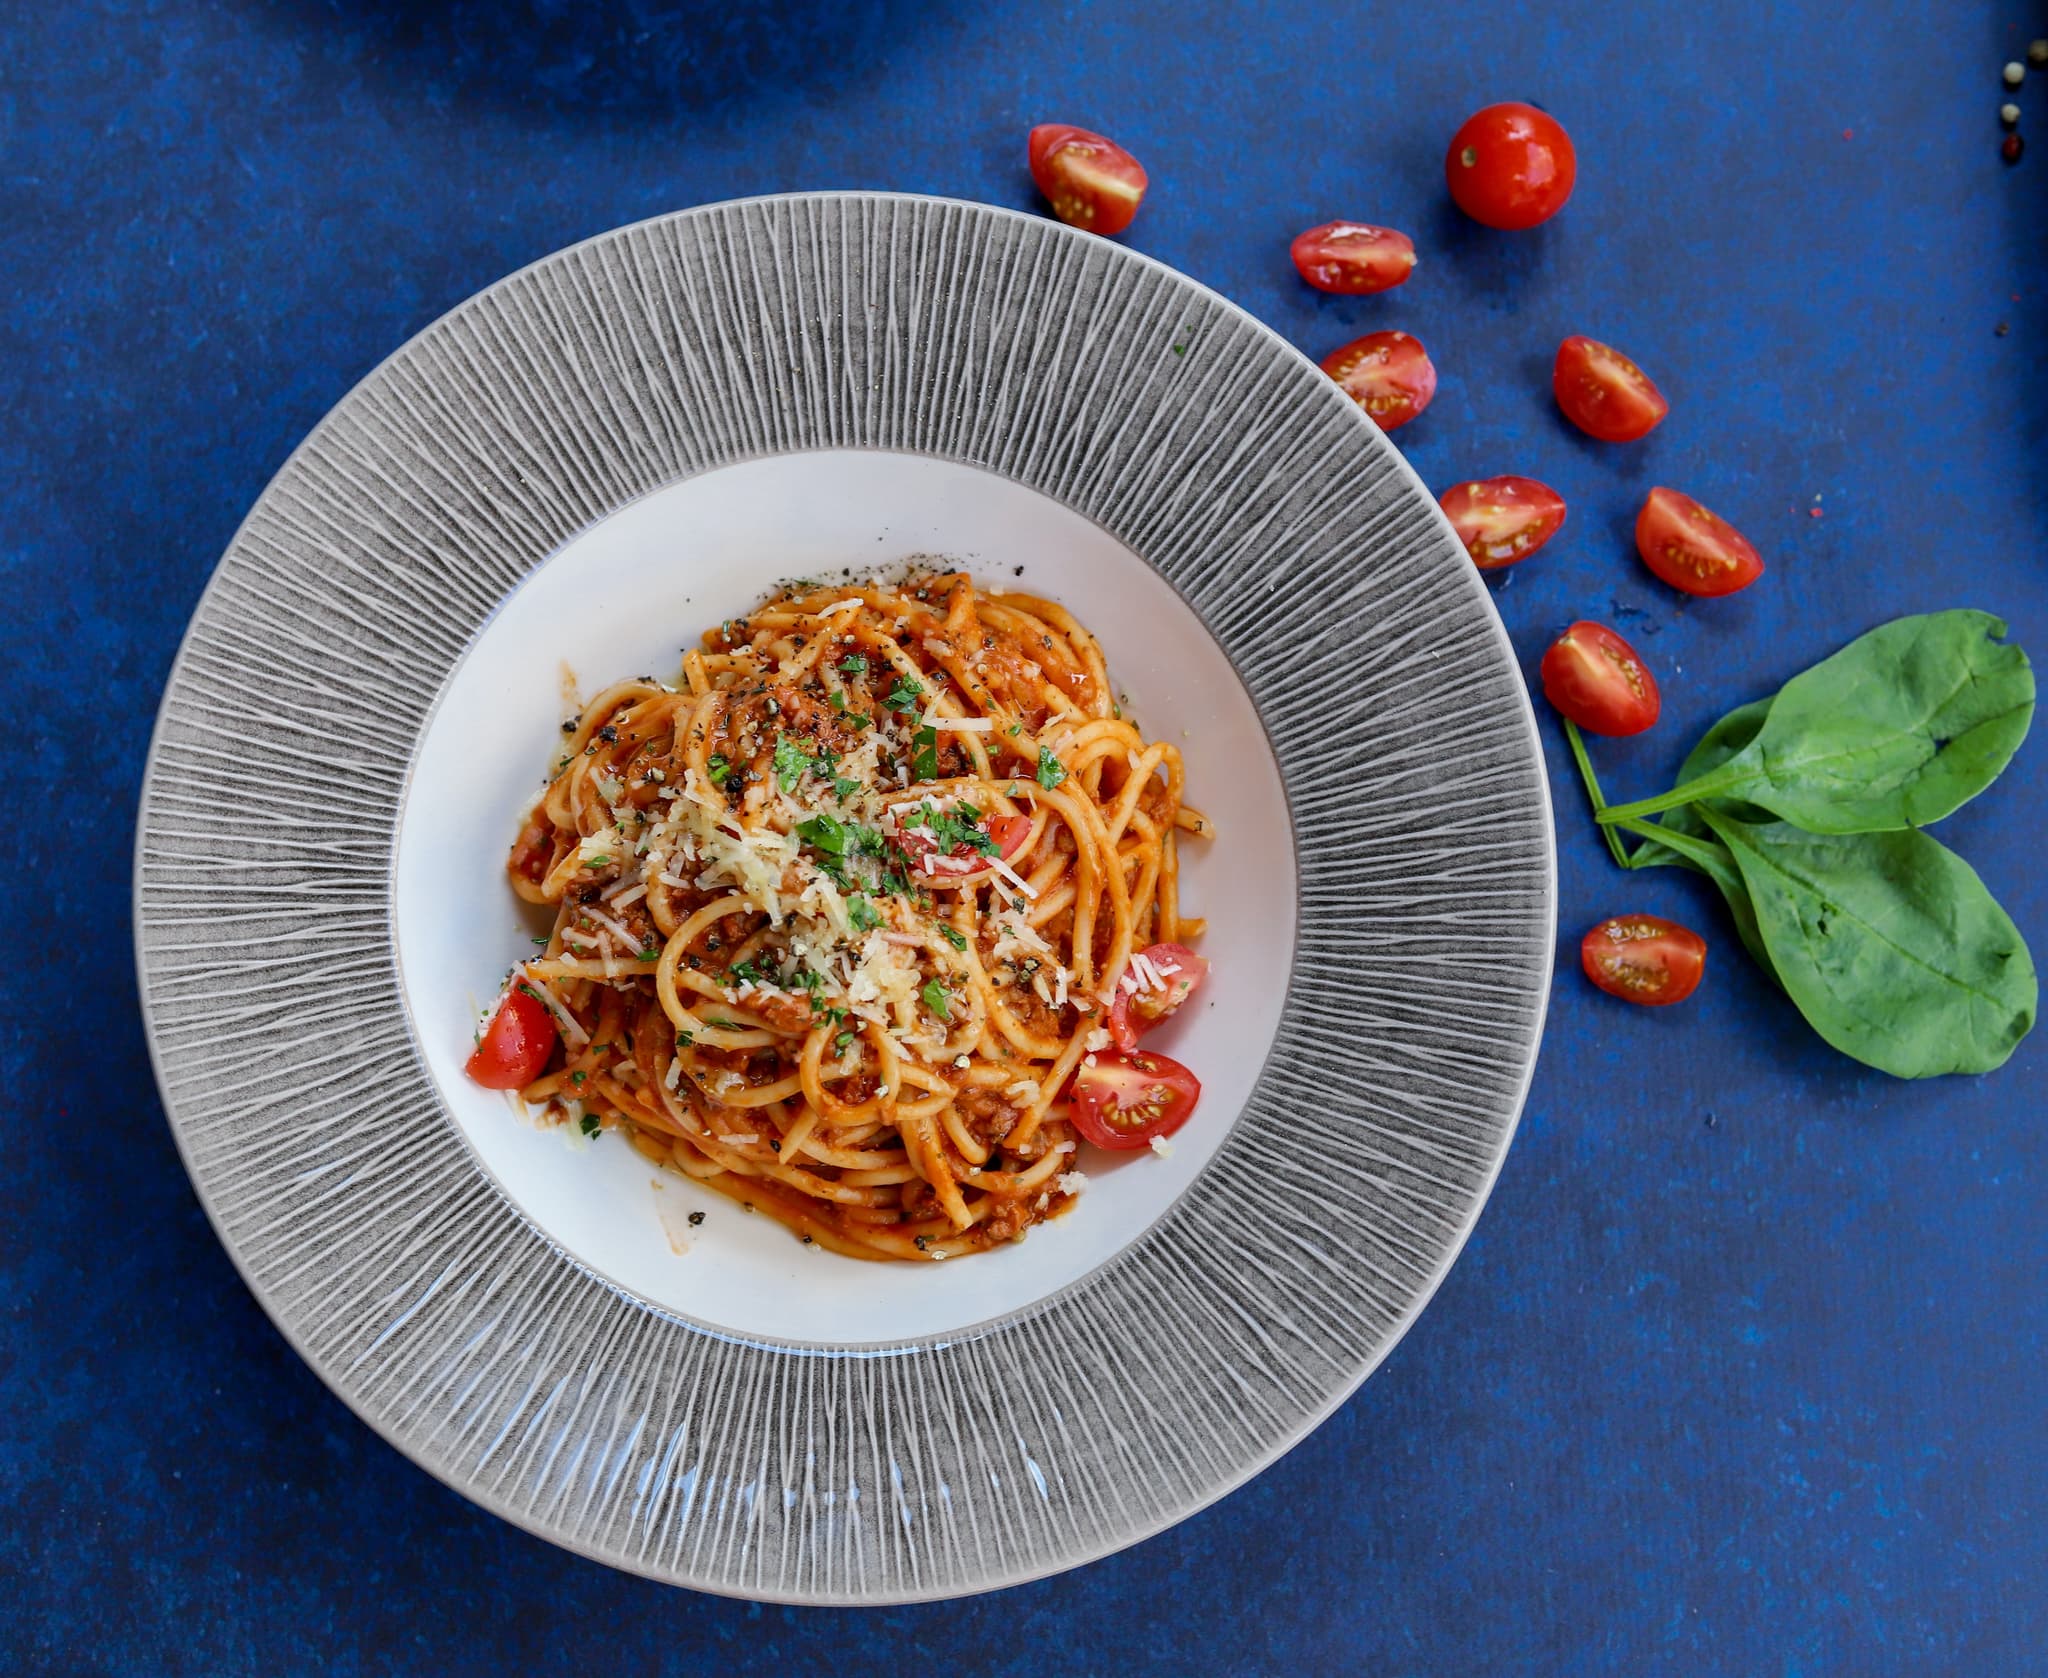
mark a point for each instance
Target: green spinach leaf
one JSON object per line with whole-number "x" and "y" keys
{"x": 1896, "y": 730}
{"x": 1888, "y": 943}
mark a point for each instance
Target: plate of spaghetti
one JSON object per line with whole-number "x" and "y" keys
{"x": 876, "y": 844}
{"x": 859, "y": 921}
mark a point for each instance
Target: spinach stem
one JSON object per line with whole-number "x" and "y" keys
{"x": 1691, "y": 793}
{"x": 1684, "y": 844}
{"x": 1585, "y": 763}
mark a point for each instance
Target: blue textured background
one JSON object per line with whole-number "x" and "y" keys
{"x": 1743, "y": 1370}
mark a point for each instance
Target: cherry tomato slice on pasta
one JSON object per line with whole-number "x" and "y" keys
{"x": 1605, "y": 394}
{"x": 516, "y": 1044}
{"x": 1598, "y": 680}
{"x": 1644, "y": 959}
{"x": 1511, "y": 166}
{"x": 1123, "y": 1100}
{"x": 1353, "y": 258}
{"x": 1138, "y": 1010}
{"x": 1008, "y": 832}
{"x": 1694, "y": 549}
{"x": 1092, "y": 183}
{"x": 1502, "y": 521}
{"x": 1388, "y": 374}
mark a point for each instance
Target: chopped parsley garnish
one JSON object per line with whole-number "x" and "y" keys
{"x": 578, "y": 1077}
{"x": 854, "y": 664}
{"x": 589, "y": 1124}
{"x": 596, "y": 861}
{"x": 843, "y": 1042}
{"x": 954, "y": 828}
{"x": 744, "y": 972}
{"x": 924, "y": 755}
{"x": 843, "y": 789}
{"x": 1050, "y": 770}
{"x": 683, "y": 1040}
{"x": 936, "y": 999}
{"x": 954, "y": 936}
{"x": 823, "y": 833}
{"x": 648, "y": 955}
{"x": 904, "y": 695}
{"x": 724, "y": 1025}
{"x": 719, "y": 767}
{"x": 860, "y": 911}
{"x": 791, "y": 760}
{"x": 839, "y": 701}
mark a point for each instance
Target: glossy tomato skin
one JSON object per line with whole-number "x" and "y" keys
{"x": 1511, "y": 166}
{"x": 1694, "y": 549}
{"x": 1091, "y": 182}
{"x": 1122, "y": 1100}
{"x": 516, "y": 1044}
{"x": 1502, "y": 521}
{"x": 1353, "y": 258}
{"x": 1598, "y": 680}
{"x": 1135, "y": 1012}
{"x": 1388, "y": 374}
{"x": 1605, "y": 394}
{"x": 1644, "y": 959}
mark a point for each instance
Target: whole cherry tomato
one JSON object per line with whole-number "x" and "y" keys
{"x": 1503, "y": 520}
{"x": 1598, "y": 680}
{"x": 1644, "y": 958}
{"x": 1091, "y": 183}
{"x": 1605, "y": 394}
{"x": 1693, "y": 549}
{"x": 1388, "y": 374}
{"x": 1353, "y": 257}
{"x": 1511, "y": 166}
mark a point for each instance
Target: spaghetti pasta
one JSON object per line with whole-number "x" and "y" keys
{"x": 841, "y": 915}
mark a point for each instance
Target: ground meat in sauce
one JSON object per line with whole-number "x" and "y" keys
{"x": 783, "y": 1011}
{"x": 1010, "y": 1219}
{"x": 986, "y": 1113}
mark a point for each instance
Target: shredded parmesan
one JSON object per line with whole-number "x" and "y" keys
{"x": 1010, "y": 874}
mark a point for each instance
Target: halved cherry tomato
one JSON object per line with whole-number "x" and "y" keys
{"x": 1644, "y": 958}
{"x": 1693, "y": 549}
{"x": 515, "y": 1045}
{"x": 1605, "y": 394}
{"x": 1091, "y": 183}
{"x": 1503, "y": 520}
{"x": 1598, "y": 680}
{"x": 1388, "y": 374}
{"x": 1511, "y": 166}
{"x": 1353, "y": 258}
{"x": 1124, "y": 1100}
{"x": 963, "y": 860}
{"x": 1138, "y": 1009}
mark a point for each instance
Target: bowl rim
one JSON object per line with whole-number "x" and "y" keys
{"x": 995, "y": 1578}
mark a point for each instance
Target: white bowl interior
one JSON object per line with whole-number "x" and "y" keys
{"x": 625, "y": 598}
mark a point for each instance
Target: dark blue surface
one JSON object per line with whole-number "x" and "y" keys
{"x": 1743, "y": 1370}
